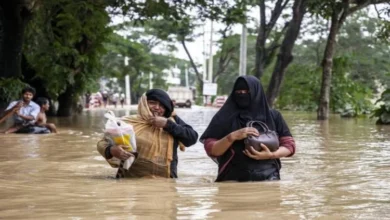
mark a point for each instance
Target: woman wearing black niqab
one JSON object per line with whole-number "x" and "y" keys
{"x": 224, "y": 137}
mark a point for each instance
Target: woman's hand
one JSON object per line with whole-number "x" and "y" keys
{"x": 118, "y": 152}
{"x": 158, "y": 121}
{"x": 265, "y": 154}
{"x": 243, "y": 133}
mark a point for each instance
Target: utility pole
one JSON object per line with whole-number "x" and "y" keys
{"x": 204, "y": 55}
{"x": 204, "y": 63}
{"x": 127, "y": 82}
{"x": 150, "y": 80}
{"x": 210, "y": 80}
{"x": 211, "y": 54}
{"x": 186, "y": 72}
{"x": 243, "y": 51}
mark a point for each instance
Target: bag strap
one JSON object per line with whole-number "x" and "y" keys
{"x": 262, "y": 124}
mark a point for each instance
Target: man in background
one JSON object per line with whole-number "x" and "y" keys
{"x": 24, "y": 111}
{"x": 122, "y": 99}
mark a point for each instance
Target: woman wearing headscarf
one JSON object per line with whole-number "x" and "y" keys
{"x": 159, "y": 132}
{"x": 224, "y": 137}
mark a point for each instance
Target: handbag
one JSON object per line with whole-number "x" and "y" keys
{"x": 268, "y": 137}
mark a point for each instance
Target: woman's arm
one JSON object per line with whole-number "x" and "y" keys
{"x": 181, "y": 131}
{"x": 281, "y": 152}
{"x": 219, "y": 147}
{"x": 108, "y": 150}
{"x": 287, "y": 143}
{"x": 215, "y": 148}
{"x": 103, "y": 147}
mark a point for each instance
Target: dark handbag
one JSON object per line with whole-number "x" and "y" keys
{"x": 268, "y": 137}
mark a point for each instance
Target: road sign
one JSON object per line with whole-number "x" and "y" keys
{"x": 210, "y": 88}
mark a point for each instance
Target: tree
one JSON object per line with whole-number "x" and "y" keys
{"x": 265, "y": 53}
{"x": 137, "y": 47}
{"x": 359, "y": 71}
{"x": 182, "y": 33}
{"x": 64, "y": 47}
{"x": 358, "y": 40}
{"x": 14, "y": 16}
{"x": 285, "y": 53}
{"x": 230, "y": 73}
{"x": 382, "y": 113}
{"x": 337, "y": 12}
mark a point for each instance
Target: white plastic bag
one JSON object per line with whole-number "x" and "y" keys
{"x": 120, "y": 133}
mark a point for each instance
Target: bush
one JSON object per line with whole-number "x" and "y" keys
{"x": 383, "y": 112}
{"x": 10, "y": 88}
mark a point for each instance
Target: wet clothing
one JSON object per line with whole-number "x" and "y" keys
{"x": 239, "y": 109}
{"x": 156, "y": 147}
{"x": 183, "y": 133}
{"x": 239, "y": 174}
{"x": 34, "y": 129}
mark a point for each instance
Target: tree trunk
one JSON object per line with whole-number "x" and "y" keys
{"x": 193, "y": 65}
{"x": 260, "y": 42}
{"x": 225, "y": 56}
{"x": 65, "y": 102}
{"x": 338, "y": 18}
{"x": 264, "y": 54}
{"x": 285, "y": 54}
{"x": 14, "y": 18}
{"x": 327, "y": 65}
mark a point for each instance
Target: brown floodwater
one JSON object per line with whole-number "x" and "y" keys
{"x": 341, "y": 170}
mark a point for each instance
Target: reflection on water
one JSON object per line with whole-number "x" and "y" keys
{"x": 340, "y": 171}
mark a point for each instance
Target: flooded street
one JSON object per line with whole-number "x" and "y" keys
{"x": 341, "y": 170}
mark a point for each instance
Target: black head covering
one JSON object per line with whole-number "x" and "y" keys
{"x": 241, "y": 84}
{"x": 243, "y": 101}
{"x": 161, "y": 96}
{"x": 233, "y": 115}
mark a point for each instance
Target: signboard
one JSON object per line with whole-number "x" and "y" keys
{"x": 210, "y": 89}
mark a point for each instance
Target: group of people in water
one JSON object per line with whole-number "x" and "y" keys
{"x": 160, "y": 133}
{"x": 28, "y": 116}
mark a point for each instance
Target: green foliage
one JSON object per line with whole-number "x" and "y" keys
{"x": 11, "y": 88}
{"x": 384, "y": 32}
{"x": 368, "y": 56}
{"x": 226, "y": 79}
{"x": 300, "y": 89}
{"x": 348, "y": 97}
{"x": 384, "y": 24}
{"x": 182, "y": 31}
{"x": 383, "y": 112}
{"x": 360, "y": 65}
{"x": 137, "y": 47}
{"x": 141, "y": 11}
{"x": 324, "y": 8}
{"x": 64, "y": 44}
{"x": 172, "y": 31}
